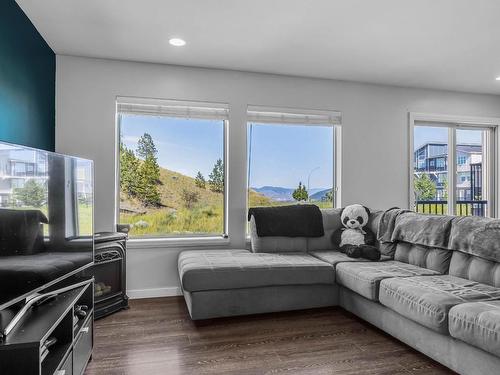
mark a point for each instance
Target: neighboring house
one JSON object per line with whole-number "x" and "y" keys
{"x": 432, "y": 159}
{"x": 18, "y": 166}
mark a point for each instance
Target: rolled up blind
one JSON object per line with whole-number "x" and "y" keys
{"x": 172, "y": 108}
{"x": 270, "y": 115}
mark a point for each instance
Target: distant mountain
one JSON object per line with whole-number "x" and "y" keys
{"x": 276, "y": 193}
{"x": 283, "y": 194}
{"x": 318, "y": 196}
{"x": 314, "y": 191}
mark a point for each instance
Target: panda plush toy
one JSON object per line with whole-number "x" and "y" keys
{"x": 354, "y": 238}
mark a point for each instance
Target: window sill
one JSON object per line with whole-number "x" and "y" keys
{"x": 179, "y": 242}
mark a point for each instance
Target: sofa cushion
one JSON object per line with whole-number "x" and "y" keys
{"x": 275, "y": 244}
{"x": 334, "y": 257}
{"x": 232, "y": 269}
{"x": 475, "y": 268}
{"x": 479, "y": 236}
{"x": 331, "y": 222}
{"x": 428, "y": 299}
{"x": 421, "y": 229}
{"x": 423, "y": 256}
{"x": 478, "y": 324}
{"x": 364, "y": 277}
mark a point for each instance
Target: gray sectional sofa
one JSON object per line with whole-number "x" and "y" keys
{"x": 438, "y": 292}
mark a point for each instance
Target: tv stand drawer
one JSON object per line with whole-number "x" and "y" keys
{"x": 82, "y": 349}
{"x": 67, "y": 366}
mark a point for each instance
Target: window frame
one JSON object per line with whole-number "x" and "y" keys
{"x": 174, "y": 240}
{"x": 454, "y": 123}
{"x": 335, "y": 122}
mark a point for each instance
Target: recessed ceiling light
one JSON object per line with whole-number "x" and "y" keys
{"x": 177, "y": 42}
{"x": 498, "y": 78}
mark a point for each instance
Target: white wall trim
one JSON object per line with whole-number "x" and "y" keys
{"x": 154, "y": 292}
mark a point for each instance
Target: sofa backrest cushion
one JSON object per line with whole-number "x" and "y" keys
{"x": 386, "y": 248}
{"x": 476, "y": 241}
{"x": 423, "y": 256}
{"x": 331, "y": 222}
{"x": 477, "y": 236}
{"x": 275, "y": 244}
{"x": 475, "y": 268}
{"x": 469, "y": 245}
{"x": 422, "y": 229}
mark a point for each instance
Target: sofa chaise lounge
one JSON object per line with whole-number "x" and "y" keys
{"x": 440, "y": 296}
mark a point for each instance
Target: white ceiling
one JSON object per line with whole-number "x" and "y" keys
{"x": 445, "y": 44}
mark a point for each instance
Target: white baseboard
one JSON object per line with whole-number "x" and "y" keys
{"x": 154, "y": 292}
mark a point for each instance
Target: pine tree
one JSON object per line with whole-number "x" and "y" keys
{"x": 129, "y": 171}
{"x": 300, "y": 194}
{"x": 149, "y": 175}
{"x": 32, "y": 194}
{"x": 216, "y": 178}
{"x": 200, "y": 181}
{"x": 425, "y": 188}
{"x": 146, "y": 147}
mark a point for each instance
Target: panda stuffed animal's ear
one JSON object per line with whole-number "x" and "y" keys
{"x": 367, "y": 210}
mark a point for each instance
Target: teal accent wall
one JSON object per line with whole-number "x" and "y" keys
{"x": 27, "y": 81}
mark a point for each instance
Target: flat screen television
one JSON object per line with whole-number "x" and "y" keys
{"x": 46, "y": 220}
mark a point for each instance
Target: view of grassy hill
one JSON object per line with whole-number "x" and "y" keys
{"x": 177, "y": 213}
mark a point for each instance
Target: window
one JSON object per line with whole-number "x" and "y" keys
{"x": 461, "y": 159}
{"x": 172, "y": 167}
{"x": 463, "y": 177}
{"x": 469, "y": 182}
{"x": 292, "y": 157}
{"x": 18, "y": 168}
{"x": 441, "y": 163}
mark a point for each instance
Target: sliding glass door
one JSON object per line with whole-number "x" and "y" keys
{"x": 452, "y": 171}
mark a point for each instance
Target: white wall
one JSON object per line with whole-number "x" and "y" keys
{"x": 374, "y": 132}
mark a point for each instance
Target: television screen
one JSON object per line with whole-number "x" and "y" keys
{"x": 46, "y": 219}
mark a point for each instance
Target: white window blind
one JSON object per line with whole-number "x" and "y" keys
{"x": 172, "y": 108}
{"x": 270, "y": 115}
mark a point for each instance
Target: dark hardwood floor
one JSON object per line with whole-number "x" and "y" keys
{"x": 156, "y": 336}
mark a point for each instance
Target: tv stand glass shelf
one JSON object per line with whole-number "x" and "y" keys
{"x": 55, "y": 337}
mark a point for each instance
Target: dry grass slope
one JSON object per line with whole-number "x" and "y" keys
{"x": 174, "y": 217}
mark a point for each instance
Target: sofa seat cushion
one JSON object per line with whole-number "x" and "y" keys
{"x": 232, "y": 269}
{"x": 478, "y": 324}
{"x": 334, "y": 257}
{"x": 364, "y": 277}
{"x": 428, "y": 299}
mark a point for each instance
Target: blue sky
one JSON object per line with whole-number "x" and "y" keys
{"x": 285, "y": 155}
{"x": 282, "y": 155}
{"x": 184, "y": 146}
{"x": 424, "y": 134}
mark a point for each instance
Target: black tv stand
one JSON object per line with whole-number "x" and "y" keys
{"x": 52, "y": 338}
